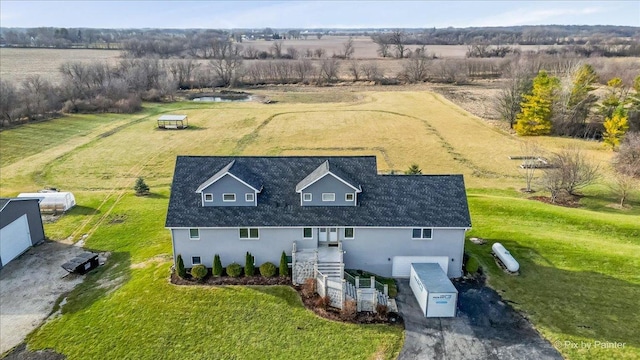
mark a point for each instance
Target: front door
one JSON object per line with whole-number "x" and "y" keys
{"x": 328, "y": 234}
{"x": 333, "y": 234}
{"x": 322, "y": 235}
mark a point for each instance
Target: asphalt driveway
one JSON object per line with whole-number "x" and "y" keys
{"x": 484, "y": 328}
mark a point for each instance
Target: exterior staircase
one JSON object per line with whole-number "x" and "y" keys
{"x": 332, "y": 269}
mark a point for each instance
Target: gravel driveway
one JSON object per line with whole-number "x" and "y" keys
{"x": 484, "y": 328}
{"x": 29, "y": 287}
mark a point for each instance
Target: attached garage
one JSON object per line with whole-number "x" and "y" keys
{"x": 20, "y": 227}
{"x": 401, "y": 265}
{"x": 434, "y": 291}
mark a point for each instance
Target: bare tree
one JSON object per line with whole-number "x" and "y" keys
{"x": 251, "y": 52}
{"x": 383, "y": 44}
{"x": 292, "y": 53}
{"x": 416, "y": 68}
{"x": 507, "y": 102}
{"x": 304, "y": 69}
{"x": 532, "y": 152}
{"x": 319, "y": 52}
{"x": 623, "y": 185}
{"x": 569, "y": 172}
{"x": 276, "y": 49}
{"x": 627, "y": 160}
{"x": 372, "y": 71}
{"x": 355, "y": 69}
{"x": 8, "y": 102}
{"x": 227, "y": 64}
{"x": 348, "y": 48}
{"x": 319, "y": 35}
{"x": 398, "y": 38}
{"x": 329, "y": 70}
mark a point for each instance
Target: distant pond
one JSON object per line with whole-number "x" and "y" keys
{"x": 223, "y": 98}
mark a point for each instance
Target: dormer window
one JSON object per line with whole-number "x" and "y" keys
{"x": 328, "y": 196}
{"x": 349, "y": 197}
{"x": 307, "y": 197}
{"x": 229, "y": 197}
{"x": 208, "y": 197}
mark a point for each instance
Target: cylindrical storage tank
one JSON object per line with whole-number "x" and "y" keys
{"x": 505, "y": 256}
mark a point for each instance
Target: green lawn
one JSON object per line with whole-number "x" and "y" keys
{"x": 579, "y": 267}
{"x": 579, "y": 280}
{"x": 129, "y": 310}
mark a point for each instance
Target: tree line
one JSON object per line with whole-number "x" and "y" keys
{"x": 597, "y": 35}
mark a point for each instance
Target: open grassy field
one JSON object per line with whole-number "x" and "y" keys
{"x": 579, "y": 279}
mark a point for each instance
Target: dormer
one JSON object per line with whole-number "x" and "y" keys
{"x": 233, "y": 185}
{"x": 328, "y": 186}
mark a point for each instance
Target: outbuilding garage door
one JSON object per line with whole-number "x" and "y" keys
{"x": 14, "y": 239}
{"x": 401, "y": 266}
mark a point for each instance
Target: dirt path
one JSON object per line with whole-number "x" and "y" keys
{"x": 29, "y": 288}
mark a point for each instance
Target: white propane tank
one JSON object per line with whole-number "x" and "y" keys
{"x": 509, "y": 262}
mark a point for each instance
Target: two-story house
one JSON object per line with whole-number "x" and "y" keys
{"x": 333, "y": 210}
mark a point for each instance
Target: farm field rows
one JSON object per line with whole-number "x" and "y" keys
{"x": 571, "y": 258}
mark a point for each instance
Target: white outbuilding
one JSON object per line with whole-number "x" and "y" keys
{"x": 52, "y": 201}
{"x": 434, "y": 291}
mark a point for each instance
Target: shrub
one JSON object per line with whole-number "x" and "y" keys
{"x": 217, "y": 266}
{"x": 234, "y": 270}
{"x": 141, "y": 187}
{"x": 323, "y": 302}
{"x": 284, "y": 267}
{"x": 349, "y": 310}
{"x": 198, "y": 272}
{"x": 472, "y": 266}
{"x": 267, "y": 269}
{"x": 382, "y": 309}
{"x": 182, "y": 272}
{"x": 249, "y": 268}
{"x": 309, "y": 288}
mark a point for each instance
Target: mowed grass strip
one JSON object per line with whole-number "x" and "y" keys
{"x": 579, "y": 277}
{"x": 30, "y": 139}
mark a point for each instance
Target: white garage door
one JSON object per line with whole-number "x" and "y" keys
{"x": 14, "y": 239}
{"x": 401, "y": 266}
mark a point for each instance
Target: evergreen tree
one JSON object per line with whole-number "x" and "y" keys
{"x": 615, "y": 128}
{"x": 182, "y": 272}
{"x": 141, "y": 187}
{"x": 414, "y": 169}
{"x": 535, "y": 118}
{"x": 615, "y": 97}
{"x": 249, "y": 267}
{"x": 217, "y": 266}
{"x": 284, "y": 267}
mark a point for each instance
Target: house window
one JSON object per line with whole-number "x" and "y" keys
{"x": 228, "y": 197}
{"x": 208, "y": 197}
{"x": 328, "y": 196}
{"x": 194, "y": 234}
{"x": 307, "y": 233}
{"x": 195, "y": 260}
{"x": 248, "y": 197}
{"x": 349, "y": 197}
{"x": 306, "y": 197}
{"x": 249, "y": 233}
{"x": 348, "y": 233}
{"x": 421, "y": 234}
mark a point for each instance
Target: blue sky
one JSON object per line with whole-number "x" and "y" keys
{"x": 313, "y": 14}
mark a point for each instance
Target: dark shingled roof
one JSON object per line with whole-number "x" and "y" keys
{"x": 385, "y": 201}
{"x": 322, "y": 170}
{"x": 237, "y": 170}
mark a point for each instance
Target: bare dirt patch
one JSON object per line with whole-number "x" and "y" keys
{"x": 29, "y": 288}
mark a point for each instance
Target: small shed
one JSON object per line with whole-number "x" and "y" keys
{"x": 20, "y": 227}
{"x": 434, "y": 291}
{"x": 173, "y": 122}
{"x": 52, "y": 201}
